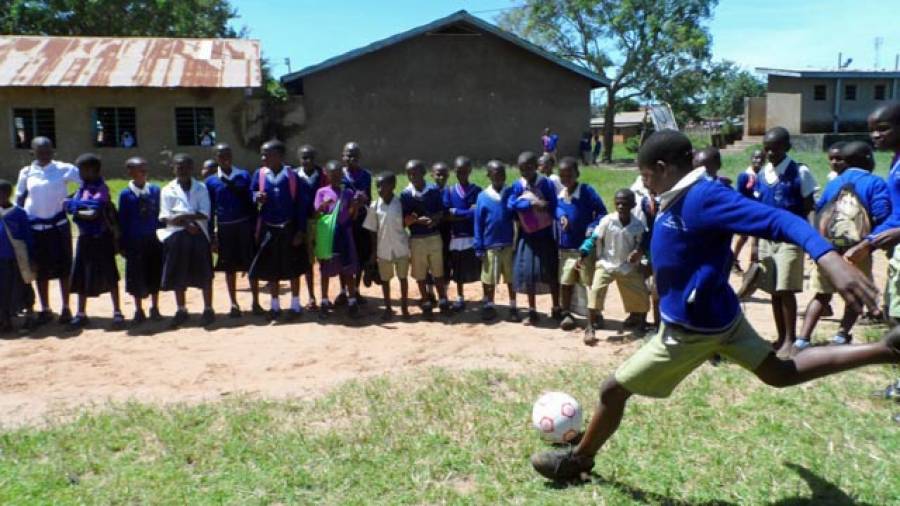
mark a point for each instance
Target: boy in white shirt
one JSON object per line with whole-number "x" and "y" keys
{"x": 618, "y": 246}
{"x": 385, "y": 221}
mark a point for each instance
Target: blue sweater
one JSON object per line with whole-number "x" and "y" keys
{"x": 460, "y": 202}
{"x": 893, "y": 184}
{"x": 361, "y": 183}
{"x": 16, "y": 221}
{"x": 786, "y": 193}
{"x": 282, "y": 207}
{"x": 493, "y": 221}
{"x": 871, "y": 189}
{"x": 745, "y": 186}
{"x": 583, "y": 212}
{"x": 691, "y": 251}
{"x": 138, "y": 216}
{"x": 427, "y": 203}
{"x": 545, "y": 190}
{"x": 230, "y": 201}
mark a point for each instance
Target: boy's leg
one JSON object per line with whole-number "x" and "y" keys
{"x": 788, "y": 303}
{"x": 597, "y": 294}
{"x": 231, "y": 283}
{"x": 207, "y": 296}
{"x": 254, "y": 293}
{"x": 116, "y": 300}
{"x": 43, "y": 289}
{"x": 138, "y": 304}
{"x": 635, "y": 297}
{"x": 309, "y": 286}
{"x": 813, "y": 312}
{"x": 64, "y": 292}
{"x": 778, "y": 316}
{"x": 404, "y": 296}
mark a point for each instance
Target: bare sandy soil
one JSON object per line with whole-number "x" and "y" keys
{"x": 55, "y": 374}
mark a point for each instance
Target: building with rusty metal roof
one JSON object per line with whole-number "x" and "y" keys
{"x": 122, "y": 97}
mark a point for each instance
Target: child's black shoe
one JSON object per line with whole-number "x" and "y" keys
{"x": 28, "y": 326}
{"x": 207, "y": 318}
{"x": 139, "y": 317}
{"x": 488, "y": 313}
{"x": 387, "y": 315}
{"x": 353, "y": 309}
{"x": 427, "y": 310}
{"x": 65, "y": 317}
{"x": 590, "y": 337}
{"x": 43, "y": 318}
{"x": 118, "y": 321}
{"x": 561, "y": 465}
{"x": 293, "y": 315}
{"x": 514, "y": 315}
{"x": 155, "y": 315}
{"x": 445, "y": 308}
{"x": 258, "y": 310}
{"x": 274, "y": 315}
{"x": 79, "y": 322}
{"x": 235, "y": 312}
{"x": 459, "y": 306}
{"x": 181, "y": 316}
{"x": 568, "y": 322}
{"x": 556, "y": 313}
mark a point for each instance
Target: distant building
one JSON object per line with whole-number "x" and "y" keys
{"x": 122, "y": 97}
{"x": 627, "y": 124}
{"x": 820, "y": 101}
{"x": 458, "y": 85}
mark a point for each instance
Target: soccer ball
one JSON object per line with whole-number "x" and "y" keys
{"x": 557, "y": 417}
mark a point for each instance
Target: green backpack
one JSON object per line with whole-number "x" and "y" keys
{"x": 844, "y": 220}
{"x": 325, "y": 227}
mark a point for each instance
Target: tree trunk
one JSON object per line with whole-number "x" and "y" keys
{"x": 609, "y": 124}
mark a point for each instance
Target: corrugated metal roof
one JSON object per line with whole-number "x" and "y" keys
{"x": 829, "y": 73}
{"x": 458, "y": 17}
{"x": 129, "y": 62}
{"x": 626, "y": 118}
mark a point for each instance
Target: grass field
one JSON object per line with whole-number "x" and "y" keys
{"x": 464, "y": 438}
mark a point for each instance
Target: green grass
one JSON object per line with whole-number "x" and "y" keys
{"x": 464, "y": 438}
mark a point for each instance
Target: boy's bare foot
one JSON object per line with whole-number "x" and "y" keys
{"x": 561, "y": 465}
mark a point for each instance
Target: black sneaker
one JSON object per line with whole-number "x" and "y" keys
{"x": 155, "y": 315}
{"x": 28, "y": 326}
{"x": 362, "y": 301}
{"x": 427, "y": 310}
{"x": 258, "y": 310}
{"x": 274, "y": 315}
{"x": 79, "y": 322}
{"x": 514, "y": 315}
{"x": 341, "y": 299}
{"x": 568, "y": 322}
{"x": 292, "y": 315}
{"x": 139, "y": 317}
{"x": 43, "y": 318}
{"x": 235, "y": 312}
{"x": 387, "y": 315}
{"x": 181, "y": 316}
{"x": 561, "y": 465}
{"x": 459, "y": 306}
{"x": 590, "y": 337}
{"x": 207, "y": 318}
{"x": 353, "y": 310}
{"x": 445, "y": 308}
{"x": 488, "y": 313}
{"x": 65, "y": 317}
{"x": 533, "y": 318}
{"x": 556, "y": 313}
{"x": 118, "y": 321}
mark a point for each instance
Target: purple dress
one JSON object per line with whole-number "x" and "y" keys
{"x": 344, "y": 259}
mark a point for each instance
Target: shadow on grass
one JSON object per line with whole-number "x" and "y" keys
{"x": 823, "y": 491}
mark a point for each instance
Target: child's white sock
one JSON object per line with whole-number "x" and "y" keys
{"x": 276, "y": 304}
{"x": 295, "y": 304}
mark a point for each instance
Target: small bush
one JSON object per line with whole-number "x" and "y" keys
{"x": 633, "y": 144}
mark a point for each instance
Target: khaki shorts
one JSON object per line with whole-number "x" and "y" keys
{"x": 497, "y": 263}
{"x": 388, "y": 268}
{"x": 632, "y": 289}
{"x": 782, "y": 266}
{"x": 310, "y": 239}
{"x": 569, "y": 275}
{"x": 427, "y": 255}
{"x": 673, "y": 353}
{"x": 821, "y": 284}
{"x": 892, "y": 290}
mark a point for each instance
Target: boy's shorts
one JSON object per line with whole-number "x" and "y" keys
{"x": 310, "y": 239}
{"x": 632, "y": 289}
{"x": 497, "y": 263}
{"x": 569, "y": 274}
{"x": 782, "y": 265}
{"x": 674, "y": 352}
{"x": 388, "y": 268}
{"x": 427, "y": 255}
{"x": 819, "y": 283}
{"x": 892, "y": 290}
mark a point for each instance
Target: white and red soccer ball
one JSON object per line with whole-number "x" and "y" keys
{"x": 557, "y": 417}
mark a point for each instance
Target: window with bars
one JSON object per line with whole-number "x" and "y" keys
{"x": 880, "y": 92}
{"x": 115, "y": 127}
{"x": 819, "y": 92}
{"x": 850, "y": 92}
{"x": 195, "y": 126}
{"x": 31, "y": 123}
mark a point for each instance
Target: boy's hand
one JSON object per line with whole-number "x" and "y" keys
{"x": 192, "y": 228}
{"x": 886, "y": 239}
{"x": 261, "y": 198}
{"x": 634, "y": 257}
{"x": 564, "y": 222}
{"x": 424, "y": 221}
{"x": 859, "y": 252}
{"x": 579, "y": 265}
{"x": 853, "y": 285}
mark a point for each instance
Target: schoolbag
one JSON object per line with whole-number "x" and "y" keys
{"x": 844, "y": 220}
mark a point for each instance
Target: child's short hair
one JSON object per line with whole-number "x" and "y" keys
{"x": 436, "y": 166}
{"x": 669, "y": 146}
{"x": 333, "y": 165}
{"x": 222, "y": 146}
{"x": 889, "y": 112}
{"x": 273, "y": 145}
{"x": 5, "y": 186}
{"x": 135, "y": 161}
{"x": 210, "y": 163}
{"x": 306, "y": 148}
{"x": 495, "y": 165}
{"x": 184, "y": 158}
{"x": 415, "y": 165}
{"x": 569, "y": 162}
{"x": 462, "y": 161}
{"x": 627, "y": 194}
{"x": 837, "y": 146}
{"x": 527, "y": 157}
{"x": 858, "y": 154}
{"x": 385, "y": 177}
{"x": 779, "y": 135}
{"x": 88, "y": 160}
{"x": 41, "y": 142}
{"x": 546, "y": 158}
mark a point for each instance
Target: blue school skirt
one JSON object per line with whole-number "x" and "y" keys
{"x": 237, "y": 246}
{"x": 277, "y": 258}
{"x": 52, "y": 247}
{"x": 536, "y": 265}
{"x": 15, "y": 295}
{"x": 143, "y": 266}
{"x": 188, "y": 261}
{"x": 94, "y": 271}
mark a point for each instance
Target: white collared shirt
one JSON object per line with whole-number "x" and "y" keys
{"x": 174, "y": 202}
{"x": 616, "y": 241}
{"x": 386, "y": 220}
{"x": 47, "y": 187}
{"x": 668, "y": 197}
{"x": 568, "y": 198}
{"x": 808, "y": 184}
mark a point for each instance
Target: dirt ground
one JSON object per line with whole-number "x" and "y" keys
{"x": 55, "y": 374}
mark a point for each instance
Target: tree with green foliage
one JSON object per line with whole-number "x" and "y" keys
{"x": 726, "y": 89}
{"x": 123, "y": 18}
{"x": 641, "y": 46}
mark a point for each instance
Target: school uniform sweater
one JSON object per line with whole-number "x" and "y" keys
{"x": 229, "y": 197}
{"x": 15, "y": 221}
{"x": 583, "y": 209}
{"x": 427, "y": 202}
{"x": 281, "y": 205}
{"x": 460, "y": 202}
{"x": 872, "y": 192}
{"x": 360, "y": 181}
{"x": 542, "y": 188}
{"x": 93, "y": 197}
{"x": 786, "y": 186}
{"x": 493, "y": 220}
{"x": 893, "y": 184}
{"x": 138, "y": 214}
{"x": 691, "y": 249}
{"x": 314, "y": 182}
{"x": 746, "y": 183}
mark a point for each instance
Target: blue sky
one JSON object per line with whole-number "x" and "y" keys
{"x": 753, "y": 33}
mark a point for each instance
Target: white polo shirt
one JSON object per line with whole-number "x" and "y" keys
{"x": 47, "y": 187}
{"x": 616, "y": 241}
{"x": 174, "y": 202}
{"x": 386, "y": 220}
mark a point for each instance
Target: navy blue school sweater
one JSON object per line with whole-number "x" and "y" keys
{"x": 691, "y": 249}
{"x": 360, "y": 181}
{"x": 787, "y": 191}
{"x": 893, "y": 184}
{"x": 282, "y": 205}
{"x": 493, "y": 220}
{"x": 229, "y": 197}
{"x": 583, "y": 210}
{"x": 14, "y": 220}
{"x": 138, "y": 215}
{"x": 872, "y": 192}
{"x": 428, "y": 202}
{"x": 460, "y": 202}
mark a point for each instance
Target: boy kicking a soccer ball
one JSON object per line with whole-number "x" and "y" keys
{"x": 700, "y": 312}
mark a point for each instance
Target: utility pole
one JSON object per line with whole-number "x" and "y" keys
{"x": 287, "y": 61}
